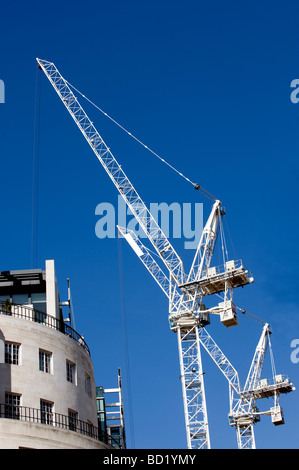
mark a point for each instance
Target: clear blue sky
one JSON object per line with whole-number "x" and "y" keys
{"x": 207, "y": 86}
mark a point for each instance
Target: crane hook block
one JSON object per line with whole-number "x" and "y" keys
{"x": 196, "y": 186}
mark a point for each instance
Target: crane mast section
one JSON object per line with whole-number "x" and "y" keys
{"x": 191, "y": 301}
{"x": 192, "y": 379}
{"x": 149, "y": 225}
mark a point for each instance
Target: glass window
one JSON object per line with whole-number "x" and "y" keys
{"x": 12, "y": 405}
{"x": 45, "y": 359}
{"x": 115, "y": 433}
{"x": 39, "y": 301}
{"x": 87, "y": 385}
{"x": 70, "y": 372}
{"x": 20, "y": 299}
{"x": 5, "y": 304}
{"x": 73, "y": 420}
{"x": 90, "y": 429}
{"x": 12, "y": 355}
{"x": 101, "y": 404}
{"x": 46, "y": 410}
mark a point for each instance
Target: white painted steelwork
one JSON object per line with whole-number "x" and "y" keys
{"x": 187, "y": 314}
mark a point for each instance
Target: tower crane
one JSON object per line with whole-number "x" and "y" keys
{"x": 188, "y": 316}
{"x": 245, "y": 413}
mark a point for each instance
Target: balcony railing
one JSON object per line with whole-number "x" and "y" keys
{"x": 57, "y": 420}
{"x": 28, "y": 313}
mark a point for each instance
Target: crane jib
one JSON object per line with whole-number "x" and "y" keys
{"x": 158, "y": 239}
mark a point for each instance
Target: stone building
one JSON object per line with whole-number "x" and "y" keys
{"x": 47, "y": 386}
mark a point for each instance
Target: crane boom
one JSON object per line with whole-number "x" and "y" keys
{"x": 147, "y": 259}
{"x": 220, "y": 359}
{"x": 149, "y": 225}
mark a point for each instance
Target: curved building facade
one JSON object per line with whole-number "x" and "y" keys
{"x": 47, "y": 386}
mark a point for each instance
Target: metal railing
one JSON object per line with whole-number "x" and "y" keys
{"x": 57, "y": 420}
{"x": 27, "y": 313}
{"x": 224, "y": 268}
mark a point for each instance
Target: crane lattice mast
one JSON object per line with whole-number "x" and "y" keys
{"x": 187, "y": 314}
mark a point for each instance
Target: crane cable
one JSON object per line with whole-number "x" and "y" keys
{"x": 271, "y": 357}
{"x": 126, "y": 346}
{"x": 250, "y": 315}
{"x": 195, "y": 185}
{"x": 225, "y": 257}
{"x": 35, "y": 174}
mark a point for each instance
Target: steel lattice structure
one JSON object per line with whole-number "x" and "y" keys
{"x": 187, "y": 313}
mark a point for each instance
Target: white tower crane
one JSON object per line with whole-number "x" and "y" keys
{"x": 187, "y": 313}
{"x": 244, "y": 413}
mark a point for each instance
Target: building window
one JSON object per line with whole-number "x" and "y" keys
{"x": 46, "y": 411}
{"x": 90, "y": 429}
{"x": 20, "y": 299}
{"x": 73, "y": 420}
{"x": 5, "y": 304}
{"x": 45, "y": 361}
{"x": 71, "y": 372}
{"x": 12, "y": 353}
{"x": 87, "y": 385}
{"x": 6, "y": 307}
{"x": 115, "y": 433}
{"x": 12, "y": 405}
{"x": 39, "y": 301}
